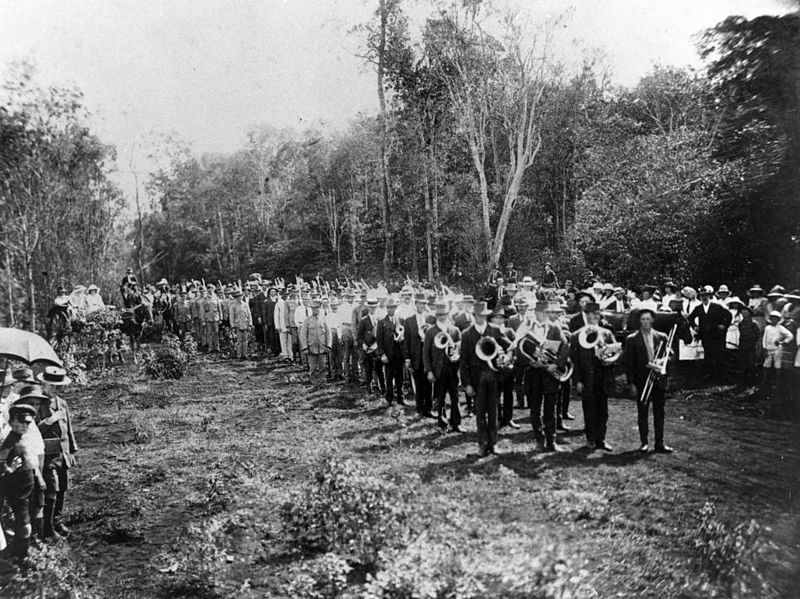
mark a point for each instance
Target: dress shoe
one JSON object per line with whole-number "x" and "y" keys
{"x": 664, "y": 449}
{"x": 59, "y": 527}
{"x": 491, "y": 451}
{"x": 568, "y": 416}
{"x": 562, "y": 427}
{"x": 458, "y": 429}
{"x": 401, "y": 402}
{"x": 513, "y": 424}
{"x": 644, "y": 448}
{"x": 442, "y": 424}
{"x": 429, "y": 415}
{"x": 603, "y": 445}
{"x": 550, "y": 447}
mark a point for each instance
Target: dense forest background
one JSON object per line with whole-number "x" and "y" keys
{"x": 484, "y": 150}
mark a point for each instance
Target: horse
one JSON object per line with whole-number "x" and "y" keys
{"x": 133, "y": 320}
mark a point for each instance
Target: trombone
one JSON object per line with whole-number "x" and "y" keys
{"x": 658, "y": 366}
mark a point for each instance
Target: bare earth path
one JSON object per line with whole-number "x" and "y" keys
{"x": 238, "y": 437}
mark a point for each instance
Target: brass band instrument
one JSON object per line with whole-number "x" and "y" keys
{"x": 591, "y": 337}
{"x": 452, "y": 348}
{"x": 538, "y": 355}
{"x": 399, "y": 332}
{"x": 658, "y": 366}
{"x": 487, "y": 349}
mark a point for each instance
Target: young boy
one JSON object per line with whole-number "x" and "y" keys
{"x": 59, "y": 449}
{"x": 17, "y": 477}
{"x": 775, "y": 336}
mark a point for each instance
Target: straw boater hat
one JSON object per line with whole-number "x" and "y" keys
{"x": 468, "y": 299}
{"x": 32, "y": 393}
{"x": 756, "y": 290}
{"x": 372, "y": 302}
{"x": 53, "y": 375}
{"x": 706, "y": 290}
{"x": 440, "y": 308}
{"x": 777, "y": 291}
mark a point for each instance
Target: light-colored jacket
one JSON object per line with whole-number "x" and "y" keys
{"x": 239, "y": 315}
{"x": 315, "y": 335}
{"x": 212, "y": 310}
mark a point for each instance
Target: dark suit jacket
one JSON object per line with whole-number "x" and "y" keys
{"x": 462, "y": 322}
{"x": 412, "y": 342}
{"x": 386, "y": 344}
{"x": 472, "y": 367}
{"x": 708, "y": 323}
{"x": 636, "y": 359}
{"x": 577, "y": 322}
{"x": 366, "y": 334}
{"x": 268, "y": 316}
{"x": 434, "y": 359}
{"x": 588, "y": 367}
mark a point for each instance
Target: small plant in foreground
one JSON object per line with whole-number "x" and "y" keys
{"x": 324, "y": 577}
{"x": 731, "y": 555}
{"x": 348, "y": 511}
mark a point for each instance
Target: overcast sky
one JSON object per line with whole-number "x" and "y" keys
{"x": 211, "y": 69}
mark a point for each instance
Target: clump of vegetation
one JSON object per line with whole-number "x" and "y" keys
{"x": 324, "y": 577}
{"x": 197, "y": 565}
{"x": 51, "y": 572}
{"x": 348, "y": 511}
{"x": 426, "y": 569}
{"x": 731, "y": 556}
{"x": 170, "y": 360}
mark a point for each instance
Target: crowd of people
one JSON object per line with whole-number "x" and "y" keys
{"x": 520, "y": 344}
{"x": 36, "y": 453}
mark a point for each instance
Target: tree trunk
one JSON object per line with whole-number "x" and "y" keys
{"x": 31, "y": 291}
{"x": 10, "y": 283}
{"x": 384, "y": 171}
{"x": 413, "y": 239}
{"x": 429, "y": 220}
{"x": 140, "y": 244}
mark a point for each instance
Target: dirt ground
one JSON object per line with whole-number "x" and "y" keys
{"x": 240, "y": 436}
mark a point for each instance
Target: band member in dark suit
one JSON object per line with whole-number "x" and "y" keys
{"x": 390, "y": 352}
{"x": 412, "y": 351}
{"x": 578, "y": 321}
{"x": 268, "y": 319}
{"x": 541, "y": 385}
{"x": 464, "y": 319}
{"x": 368, "y": 342}
{"x": 514, "y": 323}
{"x": 480, "y": 379}
{"x": 592, "y": 378}
{"x": 505, "y": 413}
{"x": 442, "y": 371}
{"x": 712, "y": 321}
{"x": 640, "y": 351}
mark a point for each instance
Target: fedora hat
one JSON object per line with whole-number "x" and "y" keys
{"x": 481, "y": 309}
{"x": 646, "y": 310}
{"x": 32, "y": 392}
{"x": 440, "y": 308}
{"x": 22, "y": 408}
{"x": 420, "y": 297}
{"x": 53, "y": 375}
{"x": 20, "y": 375}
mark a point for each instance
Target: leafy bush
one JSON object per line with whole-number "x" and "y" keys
{"x": 189, "y": 346}
{"x": 197, "y": 566}
{"x": 51, "y": 573}
{"x": 430, "y": 570}
{"x": 169, "y": 361}
{"x": 731, "y": 555}
{"x": 98, "y": 335}
{"x": 346, "y": 510}
{"x": 324, "y": 577}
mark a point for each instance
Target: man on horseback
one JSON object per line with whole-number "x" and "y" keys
{"x": 59, "y": 318}
{"x": 127, "y": 288}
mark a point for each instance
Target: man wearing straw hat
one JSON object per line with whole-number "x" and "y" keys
{"x": 60, "y": 447}
{"x": 315, "y": 341}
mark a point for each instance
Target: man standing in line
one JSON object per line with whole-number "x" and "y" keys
{"x": 390, "y": 353}
{"x": 315, "y": 342}
{"x": 413, "y": 341}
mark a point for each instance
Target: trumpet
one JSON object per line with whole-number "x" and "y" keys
{"x": 591, "y": 337}
{"x": 487, "y": 349}
{"x": 444, "y": 341}
{"x": 399, "y": 332}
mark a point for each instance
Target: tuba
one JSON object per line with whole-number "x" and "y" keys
{"x": 487, "y": 349}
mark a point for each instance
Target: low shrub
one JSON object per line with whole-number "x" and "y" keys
{"x": 51, "y": 573}
{"x": 169, "y": 361}
{"x": 431, "y": 570}
{"x": 731, "y": 556}
{"x": 324, "y": 577}
{"x": 197, "y": 565}
{"x": 348, "y": 511}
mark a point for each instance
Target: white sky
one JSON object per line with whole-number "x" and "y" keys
{"x": 211, "y": 69}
